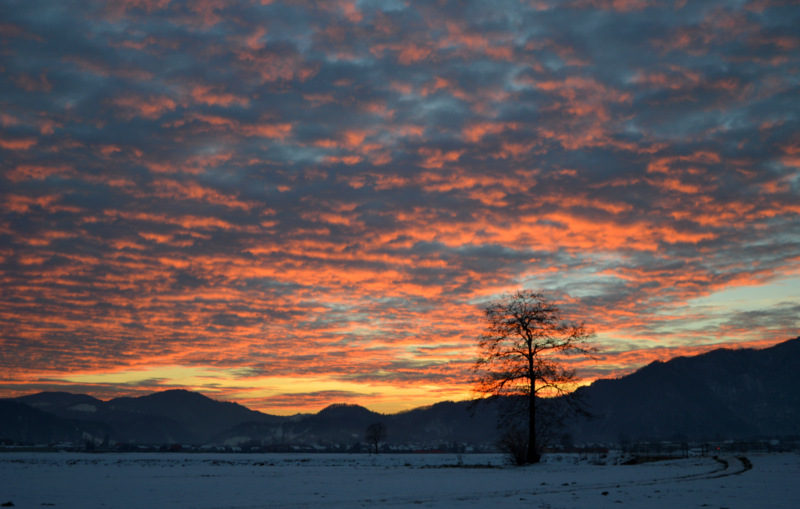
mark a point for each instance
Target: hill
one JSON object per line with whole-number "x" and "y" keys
{"x": 20, "y": 423}
{"x": 169, "y": 417}
{"x": 722, "y": 394}
{"x": 439, "y": 426}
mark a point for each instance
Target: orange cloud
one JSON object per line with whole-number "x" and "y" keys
{"x": 33, "y": 84}
{"x": 206, "y": 95}
{"x": 17, "y": 143}
{"x": 268, "y": 130}
{"x": 37, "y": 172}
{"x": 7, "y": 120}
{"x": 120, "y": 6}
{"x": 407, "y": 53}
{"x": 436, "y": 158}
{"x": 152, "y": 107}
{"x": 165, "y": 188}
{"x": 616, "y": 5}
{"x": 349, "y": 160}
{"x": 264, "y": 129}
{"x": 475, "y": 132}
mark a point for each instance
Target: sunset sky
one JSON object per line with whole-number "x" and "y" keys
{"x": 290, "y": 204}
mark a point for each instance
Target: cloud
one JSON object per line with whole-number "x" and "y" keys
{"x": 334, "y": 190}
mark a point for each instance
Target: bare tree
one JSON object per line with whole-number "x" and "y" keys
{"x": 375, "y": 433}
{"x": 521, "y": 354}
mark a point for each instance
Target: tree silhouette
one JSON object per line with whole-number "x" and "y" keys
{"x": 375, "y": 433}
{"x": 521, "y": 354}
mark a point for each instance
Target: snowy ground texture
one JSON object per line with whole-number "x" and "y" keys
{"x": 74, "y": 480}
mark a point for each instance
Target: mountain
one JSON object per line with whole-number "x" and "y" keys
{"x": 722, "y": 394}
{"x": 334, "y": 425}
{"x": 201, "y": 417}
{"x": 446, "y": 422}
{"x": 61, "y": 402}
{"x": 21, "y": 423}
{"x": 174, "y": 416}
{"x": 434, "y": 427}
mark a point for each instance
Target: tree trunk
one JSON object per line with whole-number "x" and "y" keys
{"x": 533, "y": 452}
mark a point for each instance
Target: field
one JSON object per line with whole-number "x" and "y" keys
{"x": 76, "y": 480}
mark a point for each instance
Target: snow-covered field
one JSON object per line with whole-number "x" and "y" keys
{"x": 75, "y": 480}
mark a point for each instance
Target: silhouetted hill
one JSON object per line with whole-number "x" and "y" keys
{"x": 447, "y": 422}
{"x": 196, "y": 417}
{"x": 442, "y": 424}
{"x": 170, "y": 417}
{"x": 21, "y": 423}
{"x": 59, "y": 402}
{"x": 722, "y": 394}
{"x": 335, "y": 424}
{"x": 338, "y": 423}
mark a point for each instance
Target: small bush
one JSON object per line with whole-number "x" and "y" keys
{"x": 514, "y": 442}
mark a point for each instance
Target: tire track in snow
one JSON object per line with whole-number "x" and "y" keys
{"x": 724, "y": 468}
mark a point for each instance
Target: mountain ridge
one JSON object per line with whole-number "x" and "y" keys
{"x": 723, "y": 393}
{"x": 731, "y": 393}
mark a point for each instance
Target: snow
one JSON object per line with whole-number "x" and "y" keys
{"x": 243, "y": 481}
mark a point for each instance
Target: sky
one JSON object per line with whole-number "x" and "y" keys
{"x": 290, "y": 204}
